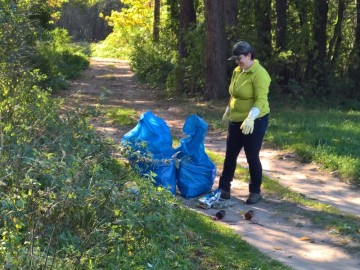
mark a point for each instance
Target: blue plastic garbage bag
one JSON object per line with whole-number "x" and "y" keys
{"x": 196, "y": 174}
{"x": 150, "y": 143}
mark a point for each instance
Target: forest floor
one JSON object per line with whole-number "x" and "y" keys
{"x": 282, "y": 231}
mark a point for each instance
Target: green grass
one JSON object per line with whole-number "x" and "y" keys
{"x": 328, "y": 137}
{"x": 122, "y": 116}
{"x": 106, "y": 50}
{"x": 323, "y": 215}
{"x": 215, "y": 246}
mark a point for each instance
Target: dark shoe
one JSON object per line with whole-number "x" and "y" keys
{"x": 225, "y": 195}
{"x": 253, "y": 198}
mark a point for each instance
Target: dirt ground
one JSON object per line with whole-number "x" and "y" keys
{"x": 282, "y": 232}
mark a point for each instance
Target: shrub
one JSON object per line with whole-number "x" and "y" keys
{"x": 59, "y": 59}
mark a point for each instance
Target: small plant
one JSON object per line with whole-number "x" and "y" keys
{"x": 122, "y": 116}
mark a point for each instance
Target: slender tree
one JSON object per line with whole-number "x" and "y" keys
{"x": 281, "y": 24}
{"x": 232, "y": 34}
{"x": 187, "y": 18}
{"x": 354, "y": 59}
{"x": 231, "y": 12}
{"x": 336, "y": 39}
{"x": 320, "y": 40}
{"x": 215, "y": 42}
{"x": 156, "y": 26}
{"x": 263, "y": 26}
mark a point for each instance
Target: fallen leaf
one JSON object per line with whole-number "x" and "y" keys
{"x": 277, "y": 248}
{"x": 307, "y": 239}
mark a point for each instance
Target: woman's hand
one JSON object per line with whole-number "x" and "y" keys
{"x": 247, "y": 126}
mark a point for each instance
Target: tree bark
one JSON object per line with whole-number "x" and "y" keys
{"x": 354, "y": 58}
{"x": 187, "y": 18}
{"x": 231, "y": 23}
{"x": 215, "y": 41}
{"x": 357, "y": 31}
{"x": 335, "y": 41}
{"x": 281, "y": 24}
{"x": 320, "y": 21}
{"x": 156, "y": 25}
{"x": 263, "y": 26}
{"x": 231, "y": 12}
{"x": 320, "y": 39}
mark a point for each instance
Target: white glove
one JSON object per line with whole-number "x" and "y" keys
{"x": 226, "y": 115}
{"x": 247, "y": 126}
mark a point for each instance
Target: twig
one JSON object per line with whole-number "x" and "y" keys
{"x": 48, "y": 248}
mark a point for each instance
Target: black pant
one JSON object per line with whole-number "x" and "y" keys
{"x": 236, "y": 140}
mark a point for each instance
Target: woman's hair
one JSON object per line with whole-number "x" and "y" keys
{"x": 252, "y": 54}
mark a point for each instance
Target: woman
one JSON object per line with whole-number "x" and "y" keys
{"x": 248, "y": 115}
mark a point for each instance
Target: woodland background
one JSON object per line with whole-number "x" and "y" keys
{"x": 310, "y": 48}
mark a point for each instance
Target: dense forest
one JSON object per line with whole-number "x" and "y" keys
{"x": 311, "y": 48}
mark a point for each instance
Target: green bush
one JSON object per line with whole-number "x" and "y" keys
{"x": 112, "y": 47}
{"x": 65, "y": 201}
{"x": 151, "y": 62}
{"x": 190, "y": 70}
{"x": 59, "y": 59}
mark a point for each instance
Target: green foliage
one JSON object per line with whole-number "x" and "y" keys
{"x": 59, "y": 59}
{"x": 65, "y": 201}
{"x": 151, "y": 62}
{"x": 112, "y": 47}
{"x": 190, "y": 69}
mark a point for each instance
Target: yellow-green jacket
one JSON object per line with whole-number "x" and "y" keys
{"x": 249, "y": 89}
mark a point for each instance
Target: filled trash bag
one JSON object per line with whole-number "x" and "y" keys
{"x": 149, "y": 149}
{"x": 196, "y": 173}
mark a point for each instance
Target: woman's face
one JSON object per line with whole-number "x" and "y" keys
{"x": 244, "y": 61}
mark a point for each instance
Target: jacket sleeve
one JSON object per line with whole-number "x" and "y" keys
{"x": 261, "y": 83}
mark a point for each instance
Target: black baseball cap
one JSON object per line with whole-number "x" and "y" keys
{"x": 241, "y": 47}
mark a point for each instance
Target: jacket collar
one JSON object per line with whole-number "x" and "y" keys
{"x": 252, "y": 69}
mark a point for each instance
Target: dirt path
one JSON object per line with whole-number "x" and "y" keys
{"x": 274, "y": 230}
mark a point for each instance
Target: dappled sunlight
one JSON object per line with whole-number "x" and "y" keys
{"x": 307, "y": 179}
{"x": 109, "y": 76}
{"x": 283, "y": 241}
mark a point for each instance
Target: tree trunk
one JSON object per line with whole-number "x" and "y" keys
{"x": 357, "y": 31}
{"x": 319, "y": 49}
{"x": 263, "y": 26}
{"x": 354, "y": 58}
{"x": 281, "y": 24}
{"x": 215, "y": 42}
{"x": 231, "y": 12}
{"x": 156, "y": 26}
{"x": 320, "y": 21}
{"x": 231, "y": 24}
{"x": 187, "y": 18}
{"x": 335, "y": 41}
